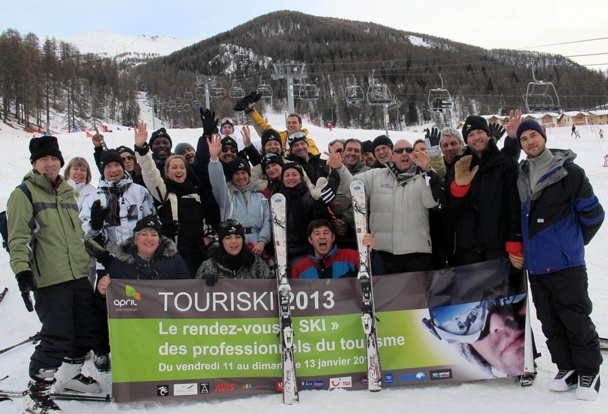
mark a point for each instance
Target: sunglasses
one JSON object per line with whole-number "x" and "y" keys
{"x": 409, "y": 150}
{"x": 229, "y": 149}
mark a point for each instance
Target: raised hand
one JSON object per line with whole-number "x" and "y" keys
{"x": 140, "y": 134}
{"x": 421, "y": 159}
{"x": 209, "y": 121}
{"x": 464, "y": 173}
{"x": 246, "y": 134}
{"x": 431, "y": 139}
{"x": 215, "y": 146}
{"x": 514, "y": 121}
{"x": 334, "y": 160}
{"x": 496, "y": 130}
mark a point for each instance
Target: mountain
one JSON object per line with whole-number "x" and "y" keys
{"x": 338, "y": 53}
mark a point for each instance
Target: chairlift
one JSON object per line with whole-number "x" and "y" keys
{"x": 541, "y": 96}
{"x": 217, "y": 92}
{"x": 200, "y": 92}
{"x": 354, "y": 94}
{"x": 179, "y": 101}
{"x": 439, "y": 99}
{"x": 188, "y": 96}
{"x": 236, "y": 92}
{"x": 378, "y": 93}
{"x": 308, "y": 92}
{"x": 264, "y": 89}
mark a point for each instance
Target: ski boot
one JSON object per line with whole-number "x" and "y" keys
{"x": 70, "y": 378}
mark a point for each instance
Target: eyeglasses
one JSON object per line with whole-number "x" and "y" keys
{"x": 409, "y": 150}
{"x": 129, "y": 158}
{"x": 469, "y": 323}
{"x": 229, "y": 149}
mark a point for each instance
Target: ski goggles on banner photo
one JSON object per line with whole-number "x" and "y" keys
{"x": 470, "y": 322}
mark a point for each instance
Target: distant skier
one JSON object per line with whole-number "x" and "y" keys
{"x": 577, "y": 135}
{"x": 606, "y": 160}
{"x": 573, "y": 131}
{"x": 601, "y": 133}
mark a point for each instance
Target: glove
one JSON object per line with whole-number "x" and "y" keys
{"x": 319, "y": 186}
{"x": 209, "y": 121}
{"x": 211, "y": 279}
{"x": 327, "y": 194}
{"x": 106, "y": 259}
{"x": 170, "y": 228}
{"x": 25, "y": 280}
{"x": 243, "y": 103}
{"x": 431, "y": 139}
{"x": 98, "y": 215}
{"x": 496, "y": 130}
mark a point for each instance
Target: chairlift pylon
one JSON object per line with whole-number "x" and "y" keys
{"x": 541, "y": 96}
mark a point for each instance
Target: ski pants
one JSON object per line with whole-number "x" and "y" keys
{"x": 69, "y": 325}
{"x": 563, "y": 308}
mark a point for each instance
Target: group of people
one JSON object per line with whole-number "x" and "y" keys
{"x": 446, "y": 200}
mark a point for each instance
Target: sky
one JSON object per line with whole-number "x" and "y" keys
{"x": 500, "y": 396}
{"x": 515, "y": 24}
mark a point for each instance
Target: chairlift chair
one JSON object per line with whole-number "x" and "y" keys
{"x": 188, "y": 96}
{"x": 541, "y": 96}
{"x": 378, "y": 94}
{"x": 439, "y": 99}
{"x": 217, "y": 92}
{"x": 264, "y": 90}
{"x": 200, "y": 93}
{"x": 179, "y": 101}
{"x": 308, "y": 92}
{"x": 236, "y": 92}
{"x": 354, "y": 94}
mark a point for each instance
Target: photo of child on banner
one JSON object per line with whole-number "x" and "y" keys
{"x": 484, "y": 319}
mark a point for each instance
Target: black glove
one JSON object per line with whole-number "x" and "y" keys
{"x": 25, "y": 280}
{"x": 170, "y": 228}
{"x": 211, "y": 279}
{"x": 209, "y": 121}
{"x": 496, "y": 130}
{"x": 433, "y": 136}
{"x": 98, "y": 215}
{"x": 106, "y": 259}
{"x": 327, "y": 194}
{"x": 243, "y": 103}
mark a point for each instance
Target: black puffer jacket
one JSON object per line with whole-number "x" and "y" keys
{"x": 166, "y": 263}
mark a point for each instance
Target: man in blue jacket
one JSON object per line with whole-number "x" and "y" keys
{"x": 560, "y": 215}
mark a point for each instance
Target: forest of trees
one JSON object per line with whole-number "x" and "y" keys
{"x": 36, "y": 80}
{"x": 337, "y": 53}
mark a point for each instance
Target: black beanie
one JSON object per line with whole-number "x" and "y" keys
{"x": 123, "y": 148}
{"x": 161, "y": 132}
{"x": 271, "y": 135}
{"x": 237, "y": 164}
{"x": 111, "y": 156}
{"x": 228, "y": 141}
{"x": 229, "y": 227}
{"x": 148, "y": 222}
{"x": 293, "y": 165}
{"x": 43, "y": 147}
{"x": 472, "y": 123}
{"x": 529, "y": 124}
{"x": 271, "y": 158}
{"x": 381, "y": 140}
{"x": 367, "y": 146}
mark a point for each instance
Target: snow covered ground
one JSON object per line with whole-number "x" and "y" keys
{"x": 498, "y": 396}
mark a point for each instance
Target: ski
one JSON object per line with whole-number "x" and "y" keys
{"x": 529, "y": 375}
{"x": 368, "y": 312}
{"x": 80, "y": 397}
{"x": 3, "y": 293}
{"x": 34, "y": 338}
{"x": 279, "y": 232}
{"x": 12, "y": 393}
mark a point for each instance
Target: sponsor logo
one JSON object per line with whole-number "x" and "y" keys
{"x": 130, "y": 303}
{"x": 389, "y": 379}
{"x": 312, "y": 385}
{"x": 340, "y": 382}
{"x": 204, "y": 386}
{"x": 254, "y": 387}
{"x": 162, "y": 390}
{"x": 441, "y": 374}
{"x": 224, "y": 387}
{"x": 419, "y": 376}
{"x": 185, "y": 389}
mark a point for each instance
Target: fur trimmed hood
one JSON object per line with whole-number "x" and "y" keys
{"x": 126, "y": 250}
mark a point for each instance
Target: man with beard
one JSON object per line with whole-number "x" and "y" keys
{"x": 160, "y": 144}
{"x": 187, "y": 151}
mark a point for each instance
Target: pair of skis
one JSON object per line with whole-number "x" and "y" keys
{"x": 368, "y": 317}
{"x": 59, "y": 396}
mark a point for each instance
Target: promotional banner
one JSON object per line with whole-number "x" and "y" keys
{"x": 183, "y": 339}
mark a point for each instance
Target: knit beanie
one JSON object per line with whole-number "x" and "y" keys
{"x": 162, "y": 132}
{"x": 529, "y": 124}
{"x": 148, "y": 222}
{"x": 472, "y": 123}
{"x": 111, "y": 156}
{"x": 44, "y": 146}
{"x": 181, "y": 147}
{"x": 237, "y": 164}
{"x": 228, "y": 141}
{"x": 271, "y": 158}
{"x": 123, "y": 148}
{"x": 229, "y": 227}
{"x": 293, "y": 165}
{"x": 381, "y": 140}
{"x": 367, "y": 146}
{"x": 271, "y": 135}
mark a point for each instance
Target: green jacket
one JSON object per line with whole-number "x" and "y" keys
{"x": 54, "y": 251}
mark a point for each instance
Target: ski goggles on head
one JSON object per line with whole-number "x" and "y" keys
{"x": 470, "y": 322}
